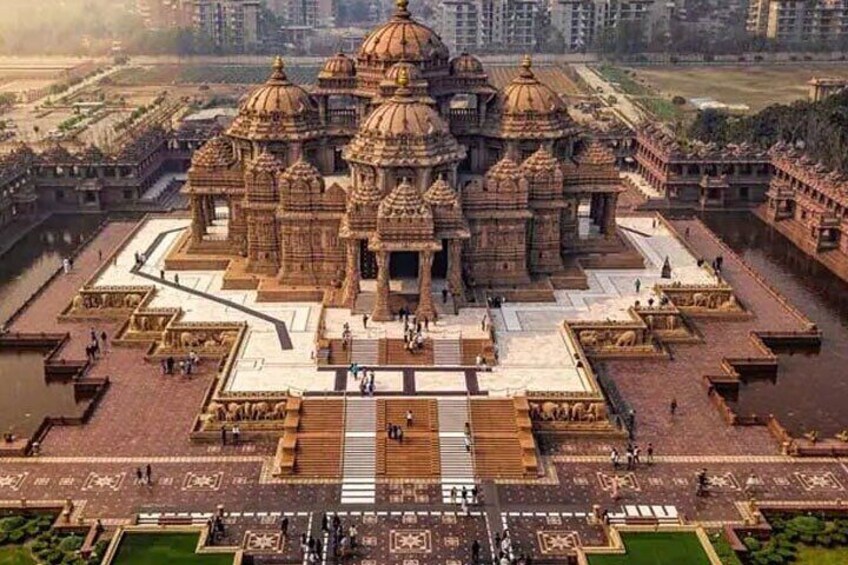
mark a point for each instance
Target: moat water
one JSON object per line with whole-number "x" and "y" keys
{"x": 34, "y": 259}
{"x": 811, "y": 388}
{"x": 29, "y": 396}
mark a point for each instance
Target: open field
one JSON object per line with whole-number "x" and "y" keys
{"x": 756, "y": 86}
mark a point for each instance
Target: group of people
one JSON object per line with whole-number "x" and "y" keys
{"x": 186, "y": 366}
{"x": 140, "y": 259}
{"x": 466, "y": 497}
{"x": 633, "y": 455}
{"x": 413, "y": 330}
{"x": 506, "y": 551}
{"x": 144, "y": 476}
{"x": 395, "y": 432}
{"x": 717, "y": 264}
{"x": 341, "y": 542}
{"x": 367, "y": 384}
{"x": 93, "y": 349}
{"x": 216, "y": 529}
{"x": 67, "y": 264}
{"x": 495, "y": 301}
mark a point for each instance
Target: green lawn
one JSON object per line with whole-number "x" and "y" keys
{"x": 16, "y": 555}
{"x": 808, "y": 555}
{"x": 656, "y": 548}
{"x": 173, "y": 549}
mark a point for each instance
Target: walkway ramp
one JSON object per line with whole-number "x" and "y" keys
{"x": 358, "y": 468}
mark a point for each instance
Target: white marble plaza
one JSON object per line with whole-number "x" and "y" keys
{"x": 533, "y": 351}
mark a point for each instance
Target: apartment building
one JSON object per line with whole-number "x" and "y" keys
{"x": 228, "y": 23}
{"x": 581, "y": 22}
{"x": 467, "y": 25}
{"x": 799, "y": 21}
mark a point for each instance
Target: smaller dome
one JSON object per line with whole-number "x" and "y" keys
{"x": 505, "y": 169}
{"x": 394, "y": 73}
{"x": 301, "y": 171}
{"x": 465, "y": 65}
{"x": 526, "y": 95}
{"x": 366, "y": 193}
{"x": 217, "y": 152}
{"x": 404, "y": 202}
{"x": 338, "y": 66}
{"x": 440, "y": 193}
{"x": 595, "y": 153}
{"x": 540, "y": 161}
{"x": 265, "y": 163}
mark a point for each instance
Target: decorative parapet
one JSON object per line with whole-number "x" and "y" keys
{"x": 106, "y": 302}
{"x": 704, "y": 300}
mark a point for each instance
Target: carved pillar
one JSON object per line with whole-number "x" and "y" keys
{"x": 425, "y": 285}
{"x": 351, "y": 284}
{"x": 198, "y": 222}
{"x": 208, "y": 210}
{"x": 455, "y": 266}
{"x": 609, "y": 214}
{"x": 381, "y": 311}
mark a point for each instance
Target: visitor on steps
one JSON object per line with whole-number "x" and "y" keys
{"x": 409, "y": 418}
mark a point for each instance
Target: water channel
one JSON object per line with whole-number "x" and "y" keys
{"x": 811, "y": 388}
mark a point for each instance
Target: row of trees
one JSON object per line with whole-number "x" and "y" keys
{"x": 821, "y": 128}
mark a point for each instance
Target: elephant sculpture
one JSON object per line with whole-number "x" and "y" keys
{"x": 132, "y": 300}
{"x": 626, "y": 339}
{"x": 235, "y": 411}
{"x": 188, "y": 339}
{"x": 78, "y": 303}
{"x": 577, "y": 411}
{"x": 701, "y": 300}
{"x": 216, "y": 411}
{"x": 261, "y": 410}
{"x": 278, "y": 412}
{"x": 729, "y": 305}
{"x": 588, "y": 338}
{"x": 549, "y": 410}
{"x": 105, "y": 300}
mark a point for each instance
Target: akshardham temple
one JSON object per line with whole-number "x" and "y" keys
{"x": 402, "y": 162}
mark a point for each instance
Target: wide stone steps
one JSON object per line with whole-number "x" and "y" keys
{"x": 359, "y": 465}
{"x": 447, "y": 352}
{"x": 365, "y": 351}
{"x": 457, "y": 466}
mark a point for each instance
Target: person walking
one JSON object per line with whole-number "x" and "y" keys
{"x": 223, "y": 435}
{"x": 139, "y": 477}
{"x": 614, "y": 458}
{"x": 400, "y": 435}
{"x": 614, "y": 488}
{"x": 148, "y": 474}
{"x": 453, "y": 496}
{"x": 325, "y": 523}
{"x": 177, "y": 279}
{"x": 284, "y": 526}
{"x": 444, "y": 296}
{"x": 409, "y": 418}
{"x": 236, "y": 434}
{"x": 638, "y": 285}
{"x": 475, "y": 552}
{"x": 650, "y": 452}
{"x": 103, "y": 340}
{"x": 365, "y": 321}
{"x": 673, "y": 406}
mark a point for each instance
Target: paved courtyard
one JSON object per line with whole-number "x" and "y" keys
{"x": 144, "y": 419}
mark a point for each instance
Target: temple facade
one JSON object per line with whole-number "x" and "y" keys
{"x": 401, "y": 163}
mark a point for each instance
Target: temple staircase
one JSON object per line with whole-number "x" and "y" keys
{"x": 359, "y": 466}
{"x": 447, "y": 352}
{"x": 456, "y": 464}
{"x": 365, "y": 351}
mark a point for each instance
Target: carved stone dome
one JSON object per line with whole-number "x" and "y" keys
{"x": 440, "y": 193}
{"x": 466, "y": 65}
{"x": 278, "y": 108}
{"x": 403, "y": 39}
{"x": 394, "y": 72}
{"x": 595, "y": 153}
{"x": 531, "y": 109}
{"x": 338, "y": 66}
{"x": 404, "y": 131}
{"x": 217, "y": 152}
{"x": 266, "y": 163}
{"x": 541, "y": 161}
{"x": 404, "y": 202}
{"x": 366, "y": 193}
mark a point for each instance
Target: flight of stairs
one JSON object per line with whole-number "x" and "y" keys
{"x": 456, "y": 463}
{"x": 358, "y": 468}
{"x": 365, "y": 352}
{"x": 447, "y": 352}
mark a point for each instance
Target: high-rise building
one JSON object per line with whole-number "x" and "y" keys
{"x": 581, "y": 22}
{"x": 165, "y": 14}
{"x": 228, "y": 23}
{"x": 486, "y": 24}
{"x": 309, "y": 13}
{"x": 799, "y": 20}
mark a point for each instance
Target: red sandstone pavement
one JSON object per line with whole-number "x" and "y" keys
{"x": 650, "y": 385}
{"x": 145, "y": 417}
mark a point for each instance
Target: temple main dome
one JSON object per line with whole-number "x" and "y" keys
{"x": 277, "y": 108}
{"x": 404, "y": 39}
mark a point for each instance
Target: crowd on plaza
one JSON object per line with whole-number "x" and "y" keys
{"x": 96, "y": 346}
{"x": 185, "y": 366}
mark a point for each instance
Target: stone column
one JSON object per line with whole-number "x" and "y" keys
{"x": 198, "y": 221}
{"x": 381, "y": 311}
{"x": 610, "y": 201}
{"x": 455, "y": 266}
{"x": 425, "y": 285}
{"x": 351, "y": 283}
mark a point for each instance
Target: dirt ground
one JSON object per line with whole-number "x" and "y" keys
{"x": 756, "y": 86}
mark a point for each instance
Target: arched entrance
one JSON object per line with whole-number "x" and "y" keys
{"x": 367, "y": 261}
{"x": 440, "y": 262}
